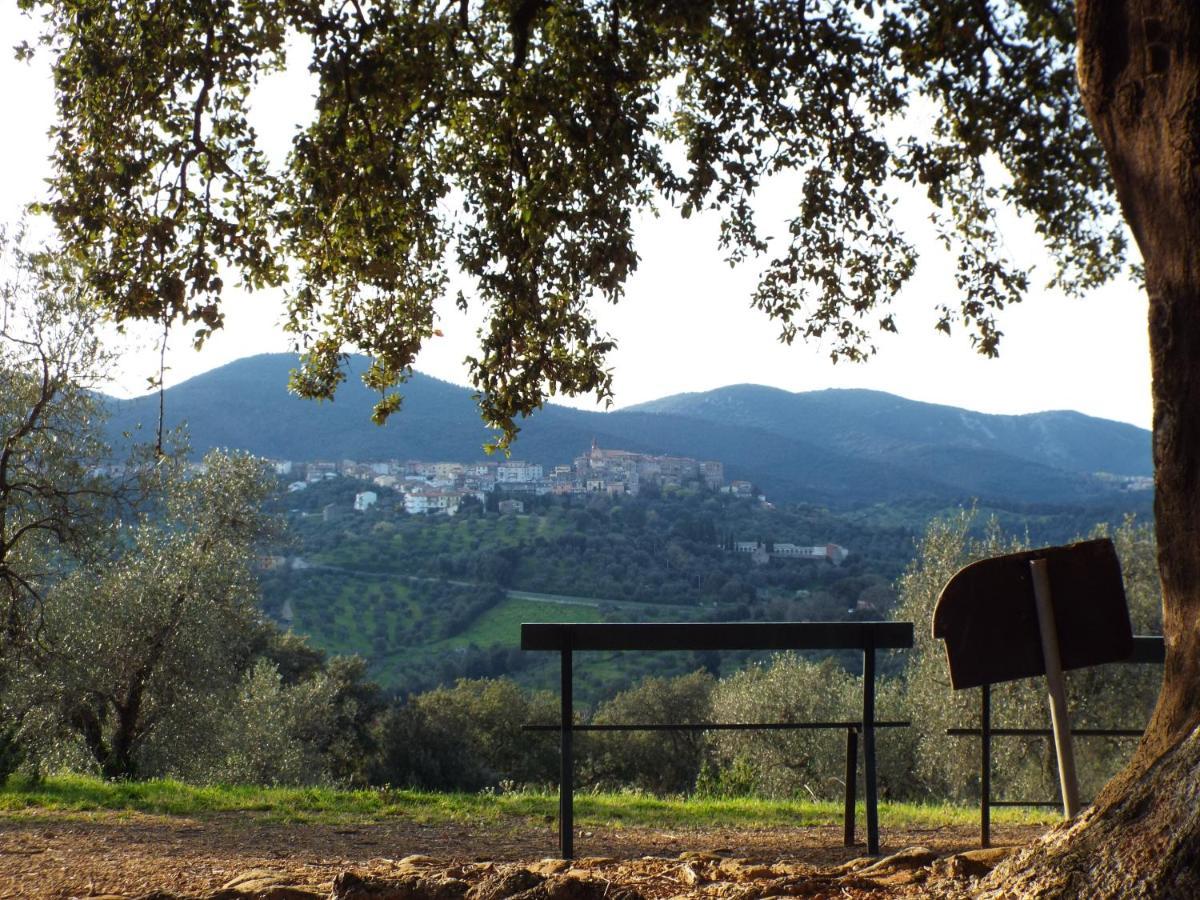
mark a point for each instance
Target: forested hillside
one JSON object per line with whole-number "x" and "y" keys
{"x": 873, "y": 423}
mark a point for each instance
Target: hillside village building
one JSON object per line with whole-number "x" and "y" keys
{"x": 433, "y": 500}
{"x": 516, "y": 473}
{"x": 625, "y": 472}
{"x": 739, "y": 489}
{"x": 763, "y": 552}
{"x": 321, "y": 471}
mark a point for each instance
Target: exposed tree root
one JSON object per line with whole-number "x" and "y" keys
{"x": 1141, "y": 839}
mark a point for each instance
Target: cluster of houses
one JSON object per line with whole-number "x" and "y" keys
{"x": 441, "y": 487}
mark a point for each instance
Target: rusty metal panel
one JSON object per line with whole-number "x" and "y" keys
{"x": 987, "y": 616}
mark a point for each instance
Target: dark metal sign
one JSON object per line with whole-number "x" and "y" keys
{"x": 987, "y": 616}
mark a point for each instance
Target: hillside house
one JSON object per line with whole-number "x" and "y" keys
{"x": 432, "y": 500}
{"x": 739, "y": 489}
{"x": 448, "y": 472}
{"x": 515, "y": 472}
{"x": 321, "y": 471}
{"x": 831, "y": 553}
{"x": 713, "y": 474}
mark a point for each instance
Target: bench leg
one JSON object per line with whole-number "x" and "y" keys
{"x": 566, "y": 790}
{"x": 985, "y": 766}
{"x": 869, "y": 751}
{"x": 851, "y": 784}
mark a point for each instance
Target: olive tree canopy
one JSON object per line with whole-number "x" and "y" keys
{"x": 54, "y": 501}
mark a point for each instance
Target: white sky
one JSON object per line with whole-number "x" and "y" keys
{"x": 685, "y": 323}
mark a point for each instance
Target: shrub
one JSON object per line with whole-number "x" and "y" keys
{"x": 266, "y": 732}
{"x": 662, "y": 762}
{"x": 784, "y": 763}
{"x": 468, "y": 737}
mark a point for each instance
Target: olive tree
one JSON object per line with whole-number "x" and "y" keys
{"x": 144, "y": 639}
{"x": 516, "y": 140}
{"x": 54, "y": 497}
{"x": 262, "y": 730}
{"x": 806, "y": 763}
{"x": 55, "y": 500}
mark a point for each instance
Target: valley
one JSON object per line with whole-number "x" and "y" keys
{"x": 410, "y": 547}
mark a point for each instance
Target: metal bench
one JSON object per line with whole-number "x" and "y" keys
{"x": 867, "y": 637}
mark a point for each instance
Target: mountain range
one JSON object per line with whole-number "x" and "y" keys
{"x": 836, "y": 447}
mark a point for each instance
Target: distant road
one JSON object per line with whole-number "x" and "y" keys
{"x": 563, "y": 599}
{"x": 306, "y": 566}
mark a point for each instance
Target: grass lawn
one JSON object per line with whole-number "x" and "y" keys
{"x": 502, "y": 623}
{"x": 81, "y": 794}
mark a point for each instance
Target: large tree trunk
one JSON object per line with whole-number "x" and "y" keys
{"x": 1139, "y": 73}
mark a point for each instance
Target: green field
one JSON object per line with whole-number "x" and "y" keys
{"x": 502, "y": 623}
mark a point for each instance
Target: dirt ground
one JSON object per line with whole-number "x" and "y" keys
{"x": 136, "y": 855}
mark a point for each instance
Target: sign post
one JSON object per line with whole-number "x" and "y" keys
{"x": 1060, "y": 721}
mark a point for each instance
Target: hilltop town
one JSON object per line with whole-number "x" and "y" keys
{"x": 441, "y": 487}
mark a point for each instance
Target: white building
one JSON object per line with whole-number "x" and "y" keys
{"x": 422, "y": 502}
{"x": 365, "y": 500}
{"x": 448, "y": 472}
{"x": 831, "y": 552}
{"x": 515, "y": 472}
{"x": 792, "y": 551}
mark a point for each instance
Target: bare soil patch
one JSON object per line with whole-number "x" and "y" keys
{"x": 120, "y": 854}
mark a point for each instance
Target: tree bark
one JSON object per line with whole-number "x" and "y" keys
{"x": 119, "y": 762}
{"x": 1139, "y": 74}
{"x": 1139, "y": 68}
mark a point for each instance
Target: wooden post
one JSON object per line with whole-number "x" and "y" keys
{"x": 1060, "y": 721}
{"x": 566, "y": 810}
{"x": 851, "y": 785}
